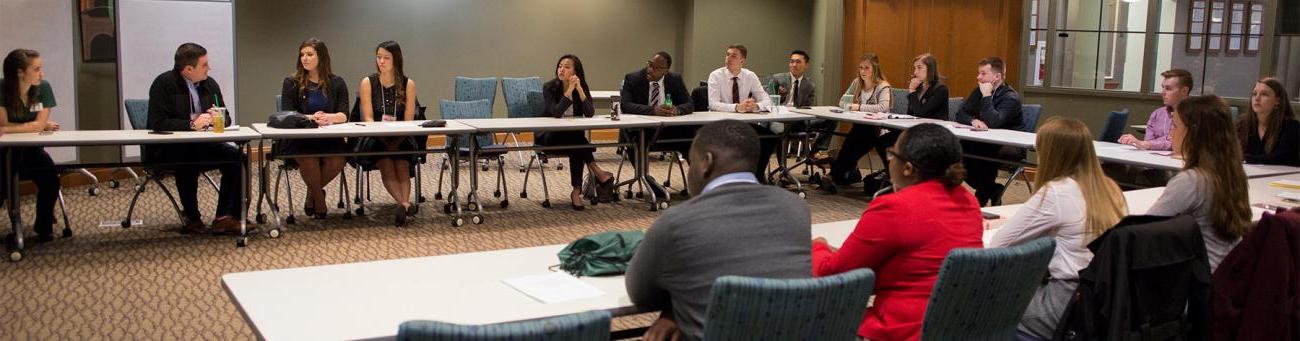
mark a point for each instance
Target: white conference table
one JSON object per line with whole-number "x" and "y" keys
{"x": 1129, "y": 155}
{"x": 353, "y": 130}
{"x": 83, "y": 138}
{"x": 604, "y": 94}
{"x": 780, "y": 114}
{"x": 369, "y": 300}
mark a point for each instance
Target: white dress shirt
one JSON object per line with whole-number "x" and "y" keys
{"x": 1056, "y": 210}
{"x": 720, "y": 90}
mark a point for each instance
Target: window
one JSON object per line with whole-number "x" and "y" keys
{"x": 1107, "y": 44}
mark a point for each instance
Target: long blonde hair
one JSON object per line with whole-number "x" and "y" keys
{"x": 1210, "y": 146}
{"x": 877, "y": 77}
{"x": 1065, "y": 150}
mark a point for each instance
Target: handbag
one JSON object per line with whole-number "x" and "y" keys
{"x": 290, "y": 120}
{"x": 601, "y": 254}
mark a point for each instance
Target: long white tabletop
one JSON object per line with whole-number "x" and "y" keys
{"x": 122, "y": 137}
{"x": 359, "y": 129}
{"x": 604, "y": 94}
{"x": 503, "y": 125}
{"x": 369, "y": 300}
{"x": 1003, "y": 137}
{"x": 705, "y": 117}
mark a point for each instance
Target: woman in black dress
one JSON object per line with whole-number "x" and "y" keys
{"x": 567, "y": 95}
{"x": 315, "y": 91}
{"x": 389, "y": 96}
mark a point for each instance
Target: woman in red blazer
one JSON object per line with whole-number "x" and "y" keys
{"x": 905, "y": 236}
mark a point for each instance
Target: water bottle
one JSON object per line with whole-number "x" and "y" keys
{"x": 615, "y": 108}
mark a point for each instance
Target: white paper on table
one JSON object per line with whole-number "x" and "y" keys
{"x": 1289, "y": 196}
{"x": 553, "y": 287}
{"x": 1122, "y": 147}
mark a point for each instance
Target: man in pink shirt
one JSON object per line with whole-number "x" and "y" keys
{"x": 1176, "y": 86}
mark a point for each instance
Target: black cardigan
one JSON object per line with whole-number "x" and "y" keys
{"x": 292, "y": 100}
{"x": 555, "y": 102}
{"x": 1285, "y": 152}
{"x": 934, "y": 104}
{"x": 169, "y": 101}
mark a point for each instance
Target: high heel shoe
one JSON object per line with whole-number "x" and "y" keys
{"x": 399, "y": 219}
{"x": 577, "y": 203}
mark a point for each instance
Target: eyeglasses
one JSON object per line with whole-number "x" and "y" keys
{"x": 892, "y": 153}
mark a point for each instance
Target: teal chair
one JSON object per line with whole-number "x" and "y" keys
{"x": 515, "y": 91}
{"x": 900, "y": 100}
{"x": 472, "y": 89}
{"x": 584, "y": 326}
{"x": 1114, "y": 127}
{"x": 488, "y": 150}
{"x": 954, "y": 105}
{"x": 982, "y": 293}
{"x": 823, "y": 308}
{"x": 137, "y": 114}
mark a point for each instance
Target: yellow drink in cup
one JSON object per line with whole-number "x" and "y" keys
{"x": 219, "y": 121}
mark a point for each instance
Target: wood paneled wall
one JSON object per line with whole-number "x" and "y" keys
{"x": 958, "y": 32}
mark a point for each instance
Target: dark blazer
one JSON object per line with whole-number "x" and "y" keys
{"x": 1147, "y": 273}
{"x": 1000, "y": 111}
{"x": 169, "y": 101}
{"x": 554, "y": 102}
{"x": 634, "y": 97}
{"x": 1285, "y": 152}
{"x": 337, "y": 95}
{"x": 782, "y": 83}
{"x": 934, "y": 104}
{"x": 1254, "y": 287}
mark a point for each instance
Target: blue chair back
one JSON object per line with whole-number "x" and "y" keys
{"x": 452, "y": 110}
{"x": 585, "y": 326}
{"x": 900, "y": 100}
{"x": 536, "y": 102}
{"x": 1029, "y": 117}
{"x": 279, "y": 103}
{"x": 982, "y": 293}
{"x": 470, "y": 89}
{"x": 824, "y": 308}
{"x": 954, "y": 104}
{"x": 1114, "y": 127}
{"x": 516, "y": 92}
{"x": 137, "y": 113}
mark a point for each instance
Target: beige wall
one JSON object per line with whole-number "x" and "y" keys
{"x": 769, "y": 29}
{"x": 444, "y": 39}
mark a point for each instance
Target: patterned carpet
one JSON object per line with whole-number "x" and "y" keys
{"x": 148, "y": 282}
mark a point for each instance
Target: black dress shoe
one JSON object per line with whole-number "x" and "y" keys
{"x": 399, "y": 219}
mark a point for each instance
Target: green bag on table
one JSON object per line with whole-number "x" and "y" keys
{"x": 601, "y": 254}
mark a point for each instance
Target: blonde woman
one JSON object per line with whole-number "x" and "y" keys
{"x": 1074, "y": 203}
{"x": 871, "y": 93}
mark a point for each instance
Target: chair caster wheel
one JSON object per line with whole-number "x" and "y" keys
{"x": 640, "y": 195}
{"x": 15, "y": 256}
{"x": 559, "y": 166}
{"x": 473, "y": 206}
{"x": 340, "y": 205}
{"x": 437, "y": 196}
{"x": 627, "y": 194}
{"x": 67, "y": 232}
{"x": 446, "y": 208}
{"x": 505, "y": 204}
{"x": 477, "y": 219}
{"x": 273, "y": 233}
{"x": 93, "y": 191}
{"x": 290, "y": 220}
{"x": 126, "y": 223}
{"x": 114, "y": 184}
{"x": 546, "y": 203}
{"x": 261, "y": 218}
{"x": 241, "y": 242}
{"x": 496, "y": 194}
{"x": 347, "y": 215}
{"x": 420, "y": 199}
{"x": 802, "y": 195}
{"x": 361, "y": 212}
{"x": 457, "y": 222}
{"x": 663, "y": 205}
{"x": 523, "y": 195}
{"x": 668, "y": 183}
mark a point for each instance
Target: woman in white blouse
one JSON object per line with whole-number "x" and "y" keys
{"x": 1074, "y": 203}
{"x": 871, "y": 93}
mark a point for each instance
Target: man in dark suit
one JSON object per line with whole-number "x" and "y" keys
{"x": 795, "y": 88}
{"x": 648, "y": 92}
{"x": 731, "y": 227}
{"x": 185, "y": 99}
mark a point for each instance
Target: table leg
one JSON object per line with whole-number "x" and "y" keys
{"x": 453, "y": 198}
{"x": 472, "y": 197}
{"x": 643, "y": 151}
{"x": 244, "y": 167}
{"x": 15, "y": 218}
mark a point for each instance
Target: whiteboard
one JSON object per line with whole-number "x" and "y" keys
{"x": 47, "y": 27}
{"x": 149, "y": 32}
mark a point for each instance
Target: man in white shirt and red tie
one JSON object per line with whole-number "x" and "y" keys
{"x": 733, "y": 88}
